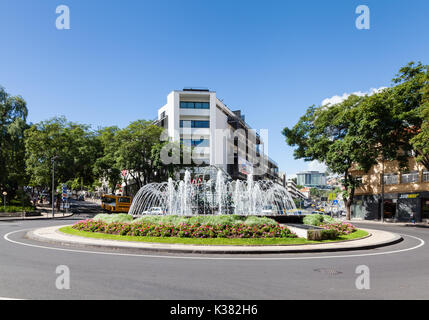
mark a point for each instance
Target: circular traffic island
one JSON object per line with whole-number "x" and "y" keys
{"x": 221, "y": 230}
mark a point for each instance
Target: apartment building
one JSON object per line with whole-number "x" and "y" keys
{"x": 293, "y": 190}
{"x": 406, "y": 194}
{"x": 218, "y": 136}
{"x": 311, "y": 179}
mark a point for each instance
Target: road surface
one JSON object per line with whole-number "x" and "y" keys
{"x": 28, "y": 270}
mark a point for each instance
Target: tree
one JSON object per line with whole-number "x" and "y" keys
{"x": 135, "y": 150}
{"x": 106, "y": 166}
{"x": 415, "y": 79}
{"x": 13, "y": 116}
{"x": 421, "y": 141}
{"x": 74, "y": 145}
{"x": 390, "y": 119}
{"x": 328, "y": 134}
{"x": 360, "y": 131}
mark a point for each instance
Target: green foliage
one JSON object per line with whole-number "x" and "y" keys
{"x": 317, "y": 219}
{"x": 356, "y": 133}
{"x": 207, "y": 220}
{"x": 11, "y": 209}
{"x": 134, "y": 150}
{"x": 106, "y": 166}
{"x": 112, "y": 218}
{"x": 13, "y": 116}
{"x": 74, "y": 145}
{"x": 191, "y": 228}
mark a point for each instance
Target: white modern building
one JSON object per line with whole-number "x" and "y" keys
{"x": 219, "y": 136}
{"x": 312, "y": 179}
{"x": 293, "y": 190}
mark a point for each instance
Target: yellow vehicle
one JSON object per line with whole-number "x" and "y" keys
{"x": 115, "y": 204}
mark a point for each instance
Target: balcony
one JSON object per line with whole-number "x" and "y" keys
{"x": 391, "y": 179}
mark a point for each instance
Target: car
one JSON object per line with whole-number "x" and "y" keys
{"x": 271, "y": 210}
{"x": 155, "y": 211}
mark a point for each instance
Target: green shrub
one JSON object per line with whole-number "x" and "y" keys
{"x": 11, "y": 209}
{"x": 186, "y": 230}
{"x": 112, "y": 218}
{"x": 318, "y": 219}
{"x": 210, "y": 220}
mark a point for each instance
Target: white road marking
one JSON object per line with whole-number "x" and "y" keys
{"x": 6, "y": 237}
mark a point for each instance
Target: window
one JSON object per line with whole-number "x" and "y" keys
{"x": 185, "y": 123}
{"x": 201, "y": 143}
{"x": 426, "y": 176}
{"x": 195, "y": 143}
{"x": 194, "y": 105}
{"x": 124, "y": 200}
{"x": 410, "y": 177}
{"x": 390, "y": 179}
{"x": 194, "y": 124}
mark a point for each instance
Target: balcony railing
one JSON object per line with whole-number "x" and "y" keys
{"x": 391, "y": 179}
{"x": 410, "y": 177}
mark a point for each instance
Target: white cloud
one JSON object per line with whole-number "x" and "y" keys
{"x": 338, "y": 99}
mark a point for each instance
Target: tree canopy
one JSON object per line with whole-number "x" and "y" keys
{"x": 13, "y": 117}
{"x": 361, "y": 130}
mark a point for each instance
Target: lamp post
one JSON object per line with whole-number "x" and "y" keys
{"x": 4, "y": 200}
{"x": 53, "y": 185}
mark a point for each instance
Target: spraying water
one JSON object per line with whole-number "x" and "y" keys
{"x": 217, "y": 195}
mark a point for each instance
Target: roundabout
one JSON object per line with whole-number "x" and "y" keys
{"x": 54, "y": 235}
{"x": 28, "y": 270}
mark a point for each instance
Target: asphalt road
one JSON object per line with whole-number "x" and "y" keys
{"x": 28, "y": 271}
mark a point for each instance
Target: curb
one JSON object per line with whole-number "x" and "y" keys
{"x": 77, "y": 241}
{"x": 41, "y": 218}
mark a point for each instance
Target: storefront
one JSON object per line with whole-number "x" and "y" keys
{"x": 397, "y": 207}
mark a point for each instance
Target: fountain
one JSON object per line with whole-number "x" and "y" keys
{"x": 212, "y": 193}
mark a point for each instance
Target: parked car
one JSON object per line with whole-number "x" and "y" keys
{"x": 155, "y": 211}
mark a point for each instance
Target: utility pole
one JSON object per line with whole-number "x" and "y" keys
{"x": 53, "y": 185}
{"x": 4, "y": 200}
{"x": 382, "y": 190}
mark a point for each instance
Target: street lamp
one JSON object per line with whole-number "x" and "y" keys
{"x": 4, "y": 201}
{"x": 53, "y": 185}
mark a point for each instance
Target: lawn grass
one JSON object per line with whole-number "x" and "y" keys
{"x": 211, "y": 241}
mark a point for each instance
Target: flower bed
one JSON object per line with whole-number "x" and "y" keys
{"x": 342, "y": 228}
{"x": 186, "y": 230}
{"x": 328, "y": 223}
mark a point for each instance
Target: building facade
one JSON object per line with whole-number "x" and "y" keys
{"x": 311, "y": 179}
{"x": 406, "y": 194}
{"x": 218, "y": 136}
{"x": 293, "y": 190}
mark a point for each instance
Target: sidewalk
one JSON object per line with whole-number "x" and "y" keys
{"x": 45, "y": 214}
{"x": 52, "y": 235}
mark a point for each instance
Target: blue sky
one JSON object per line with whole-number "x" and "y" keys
{"x": 272, "y": 59}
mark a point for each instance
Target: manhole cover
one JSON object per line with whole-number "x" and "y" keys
{"x": 331, "y": 272}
